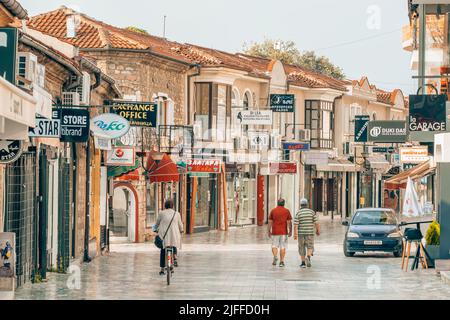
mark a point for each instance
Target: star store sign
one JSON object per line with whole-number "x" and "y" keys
{"x": 202, "y": 165}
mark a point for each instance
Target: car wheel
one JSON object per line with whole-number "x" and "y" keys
{"x": 348, "y": 253}
{"x": 398, "y": 253}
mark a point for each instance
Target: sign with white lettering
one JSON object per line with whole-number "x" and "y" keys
{"x": 282, "y": 102}
{"x": 46, "y": 128}
{"x": 139, "y": 114}
{"x": 203, "y": 165}
{"x": 74, "y": 124}
{"x": 259, "y": 140}
{"x": 254, "y": 117}
{"x": 387, "y": 131}
{"x": 10, "y": 150}
{"x": 427, "y": 112}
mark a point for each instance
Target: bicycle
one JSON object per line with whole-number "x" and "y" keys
{"x": 169, "y": 263}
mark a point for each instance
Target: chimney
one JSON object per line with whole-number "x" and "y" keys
{"x": 72, "y": 22}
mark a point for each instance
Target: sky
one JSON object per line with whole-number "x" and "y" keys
{"x": 363, "y": 37}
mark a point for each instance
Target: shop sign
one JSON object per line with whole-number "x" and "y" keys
{"x": 102, "y": 144}
{"x": 10, "y": 150}
{"x": 296, "y": 146}
{"x": 383, "y": 149}
{"x": 139, "y": 114}
{"x": 361, "y": 124}
{"x": 283, "y": 168}
{"x": 414, "y": 155}
{"x": 121, "y": 156}
{"x": 203, "y": 165}
{"x": 8, "y": 52}
{"x": 254, "y": 117}
{"x": 259, "y": 140}
{"x": 46, "y": 128}
{"x": 109, "y": 126}
{"x": 427, "y": 112}
{"x": 282, "y": 102}
{"x": 74, "y": 124}
{"x": 314, "y": 158}
{"x": 389, "y": 131}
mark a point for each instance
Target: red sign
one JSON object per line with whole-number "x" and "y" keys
{"x": 283, "y": 167}
{"x": 203, "y": 165}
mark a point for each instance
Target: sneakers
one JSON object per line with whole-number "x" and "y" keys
{"x": 308, "y": 262}
{"x": 281, "y": 264}
{"x": 175, "y": 262}
{"x": 161, "y": 272}
{"x": 303, "y": 265}
{"x": 275, "y": 260}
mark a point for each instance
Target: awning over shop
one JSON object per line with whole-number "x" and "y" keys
{"x": 338, "y": 165}
{"x": 379, "y": 163}
{"x": 399, "y": 181}
{"x": 164, "y": 171}
{"x": 117, "y": 171}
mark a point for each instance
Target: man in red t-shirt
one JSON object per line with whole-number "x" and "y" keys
{"x": 280, "y": 228}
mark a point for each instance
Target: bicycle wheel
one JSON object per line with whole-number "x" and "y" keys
{"x": 169, "y": 273}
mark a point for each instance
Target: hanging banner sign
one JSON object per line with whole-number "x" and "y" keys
{"x": 138, "y": 114}
{"x": 74, "y": 124}
{"x": 102, "y": 144}
{"x": 283, "y": 168}
{"x": 254, "y": 117}
{"x": 8, "y": 52}
{"x": 121, "y": 156}
{"x": 414, "y": 155}
{"x": 109, "y": 126}
{"x": 259, "y": 140}
{"x": 296, "y": 146}
{"x": 46, "y": 128}
{"x": 361, "y": 124}
{"x": 282, "y": 102}
{"x": 389, "y": 131}
{"x": 203, "y": 165}
{"x": 10, "y": 150}
{"x": 427, "y": 112}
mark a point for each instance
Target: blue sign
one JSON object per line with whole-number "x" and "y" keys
{"x": 296, "y": 146}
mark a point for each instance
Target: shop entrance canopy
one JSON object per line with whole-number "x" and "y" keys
{"x": 400, "y": 181}
{"x": 163, "y": 171}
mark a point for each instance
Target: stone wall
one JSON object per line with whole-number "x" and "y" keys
{"x": 142, "y": 74}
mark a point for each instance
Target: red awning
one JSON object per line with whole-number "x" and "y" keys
{"x": 165, "y": 171}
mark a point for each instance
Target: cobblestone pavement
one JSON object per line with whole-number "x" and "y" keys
{"x": 238, "y": 265}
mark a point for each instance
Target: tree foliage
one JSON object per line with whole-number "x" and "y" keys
{"x": 287, "y": 52}
{"x": 136, "y": 29}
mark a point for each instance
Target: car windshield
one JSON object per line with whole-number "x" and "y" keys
{"x": 374, "y": 218}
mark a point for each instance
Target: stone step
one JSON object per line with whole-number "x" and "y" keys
{"x": 445, "y": 276}
{"x": 442, "y": 265}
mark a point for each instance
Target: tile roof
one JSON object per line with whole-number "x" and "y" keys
{"x": 93, "y": 34}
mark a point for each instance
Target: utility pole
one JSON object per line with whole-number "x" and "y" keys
{"x": 164, "y": 27}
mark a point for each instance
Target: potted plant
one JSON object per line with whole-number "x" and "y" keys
{"x": 433, "y": 241}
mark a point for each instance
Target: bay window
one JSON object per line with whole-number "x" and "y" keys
{"x": 319, "y": 118}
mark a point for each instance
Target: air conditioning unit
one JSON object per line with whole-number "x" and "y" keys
{"x": 85, "y": 89}
{"x": 303, "y": 135}
{"x": 236, "y": 143}
{"x": 70, "y": 99}
{"x": 26, "y": 69}
{"x": 275, "y": 141}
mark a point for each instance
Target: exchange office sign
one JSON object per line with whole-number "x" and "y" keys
{"x": 255, "y": 117}
{"x": 74, "y": 124}
{"x": 139, "y": 114}
{"x": 361, "y": 124}
{"x": 10, "y": 150}
{"x": 427, "y": 112}
{"x": 387, "y": 131}
{"x": 282, "y": 102}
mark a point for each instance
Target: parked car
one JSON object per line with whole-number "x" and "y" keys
{"x": 373, "y": 229}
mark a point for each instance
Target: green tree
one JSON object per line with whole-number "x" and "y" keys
{"x": 287, "y": 52}
{"x": 136, "y": 29}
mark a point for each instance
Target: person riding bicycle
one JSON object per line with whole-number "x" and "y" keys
{"x": 170, "y": 224}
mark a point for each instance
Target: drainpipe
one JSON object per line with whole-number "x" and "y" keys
{"x": 86, "y": 257}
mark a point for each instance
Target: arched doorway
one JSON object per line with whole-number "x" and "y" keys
{"x": 123, "y": 218}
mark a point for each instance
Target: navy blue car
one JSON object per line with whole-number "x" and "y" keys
{"x": 373, "y": 229}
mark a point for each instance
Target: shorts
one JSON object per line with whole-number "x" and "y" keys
{"x": 279, "y": 241}
{"x": 305, "y": 242}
